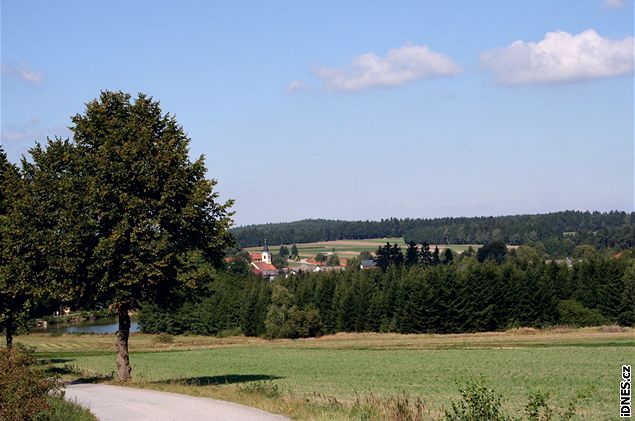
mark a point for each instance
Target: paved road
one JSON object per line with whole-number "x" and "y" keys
{"x": 128, "y": 404}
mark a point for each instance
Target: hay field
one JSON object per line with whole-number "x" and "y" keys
{"x": 303, "y": 378}
{"x": 351, "y": 248}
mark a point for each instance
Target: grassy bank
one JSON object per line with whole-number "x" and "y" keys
{"x": 61, "y": 410}
{"x": 336, "y": 376}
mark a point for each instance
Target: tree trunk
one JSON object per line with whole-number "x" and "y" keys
{"x": 9, "y": 333}
{"x": 123, "y": 362}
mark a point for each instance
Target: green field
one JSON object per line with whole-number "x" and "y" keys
{"x": 352, "y": 248}
{"x": 580, "y": 366}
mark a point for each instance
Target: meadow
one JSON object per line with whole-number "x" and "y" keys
{"x": 326, "y": 378}
{"x": 351, "y": 248}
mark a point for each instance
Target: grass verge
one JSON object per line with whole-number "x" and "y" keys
{"x": 62, "y": 410}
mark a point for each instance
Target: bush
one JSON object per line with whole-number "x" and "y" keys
{"x": 292, "y": 322}
{"x": 538, "y": 409}
{"x": 267, "y": 389}
{"x": 24, "y": 387}
{"x": 574, "y": 313}
{"x": 478, "y": 403}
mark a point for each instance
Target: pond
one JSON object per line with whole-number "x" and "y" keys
{"x": 101, "y": 326}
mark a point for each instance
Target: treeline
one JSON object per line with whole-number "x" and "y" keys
{"x": 558, "y": 232}
{"x": 461, "y": 296}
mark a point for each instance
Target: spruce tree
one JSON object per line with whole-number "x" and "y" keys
{"x": 425, "y": 256}
{"x": 436, "y": 259}
{"x": 448, "y": 256}
{"x": 382, "y": 257}
{"x": 626, "y": 309}
{"x": 396, "y": 256}
{"x": 412, "y": 254}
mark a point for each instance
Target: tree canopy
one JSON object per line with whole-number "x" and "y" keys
{"x": 116, "y": 216}
{"x": 157, "y": 214}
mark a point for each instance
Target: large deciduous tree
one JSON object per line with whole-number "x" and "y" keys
{"x": 14, "y": 292}
{"x": 47, "y": 236}
{"x": 158, "y": 222}
{"x": 159, "y": 218}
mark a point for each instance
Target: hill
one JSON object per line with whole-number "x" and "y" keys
{"x": 558, "y": 232}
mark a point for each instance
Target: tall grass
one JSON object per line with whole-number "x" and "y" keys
{"x": 61, "y": 410}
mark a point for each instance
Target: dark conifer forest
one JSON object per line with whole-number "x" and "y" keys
{"x": 463, "y": 295}
{"x": 558, "y": 232}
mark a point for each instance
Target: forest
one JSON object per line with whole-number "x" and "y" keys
{"x": 559, "y": 232}
{"x": 462, "y": 295}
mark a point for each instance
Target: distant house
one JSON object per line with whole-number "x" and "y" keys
{"x": 368, "y": 264}
{"x": 264, "y": 269}
{"x": 303, "y": 268}
{"x": 262, "y": 256}
{"x": 261, "y": 263}
{"x": 329, "y": 269}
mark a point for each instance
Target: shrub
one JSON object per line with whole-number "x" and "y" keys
{"x": 478, "y": 403}
{"x": 293, "y": 323}
{"x": 574, "y": 313}
{"x": 538, "y": 409}
{"x": 24, "y": 387}
{"x": 285, "y": 320}
{"x": 267, "y": 389}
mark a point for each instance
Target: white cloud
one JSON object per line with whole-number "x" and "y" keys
{"x": 12, "y": 136}
{"x": 614, "y": 3}
{"x": 561, "y": 57}
{"x": 399, "y": 66}
{"x": 22, "y": 72}
{"x": 295, "y": 85}
{"x": 30, "y": 130}
{"x": 29, "y": 75}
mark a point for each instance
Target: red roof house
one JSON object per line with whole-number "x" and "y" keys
{"x": 264, "y": 269}
{"x": 256, "y": 256}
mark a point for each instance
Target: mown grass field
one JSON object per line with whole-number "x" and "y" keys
{"x": 352, "y": 248}
{"x": 314, "y": 378}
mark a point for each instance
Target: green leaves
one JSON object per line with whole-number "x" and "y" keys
{"x": 119, "y": 214}
{"x": 159, "y": 220}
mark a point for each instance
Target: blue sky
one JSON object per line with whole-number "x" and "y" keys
{"x": 352, "y": 110}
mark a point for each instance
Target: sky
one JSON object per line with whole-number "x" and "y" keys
{"x": 351, "y": 110}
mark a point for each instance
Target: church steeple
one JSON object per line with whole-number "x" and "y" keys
{"x": 266, "y": 254}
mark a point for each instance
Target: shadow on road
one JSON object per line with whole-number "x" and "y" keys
{"x": 94, "y": 379}
{"x": 219, "y": 380}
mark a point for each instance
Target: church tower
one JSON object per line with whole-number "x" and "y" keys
{"x": 266, "y": 254}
